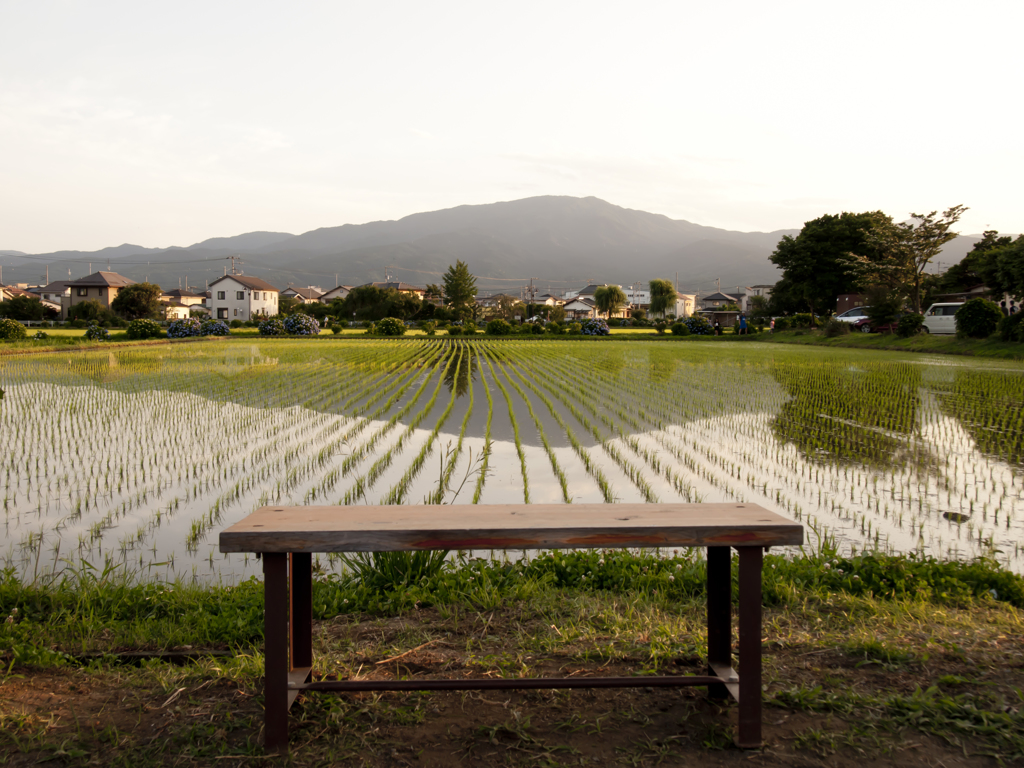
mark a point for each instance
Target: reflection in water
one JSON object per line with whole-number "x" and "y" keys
{"x": 862, "y": 414}
{"x": 459, "y": 377}
{"x": 990, "y": 406}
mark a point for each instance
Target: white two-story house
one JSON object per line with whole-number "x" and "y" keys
{"x": 240, "y": 297}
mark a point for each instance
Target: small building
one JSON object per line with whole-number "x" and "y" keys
{"x": 580, "y": 309}
{"x": 848, "y": 301}
{"x": 339, "y": 292}
{"x": 185, "y": 297}
{"x": 240, "y": 297}
{"x": 549, "y": 300}
{"x": 55, "y": 291}
{"x": 717, "y": 300}
{"x": 495, "y": 300}
{"x": 99, "y": 286}
{"x": 175, "y": 310}
{"x": 307, "y": 295}
{"x": 686, "y": 304}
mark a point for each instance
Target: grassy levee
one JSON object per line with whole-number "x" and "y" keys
{"x": 930, "y": 343}
{"x": 869, "y": 654}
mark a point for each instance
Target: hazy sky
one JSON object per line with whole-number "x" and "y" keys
{"x": 167, "y": 123}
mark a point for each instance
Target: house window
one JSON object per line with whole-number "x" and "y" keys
{"x": 222, "y": 313}
{"x": 221, "y": 295}
{"x": 236, "y": 313}
{"x": 240, "y": 295}
{"x": 83, "y": 291}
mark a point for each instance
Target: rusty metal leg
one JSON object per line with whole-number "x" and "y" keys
{"x": 751, "y": 560}
{"x": 719, "y": 581}
{"x": 275, "y": 638}
{"x": 302, "y": 610}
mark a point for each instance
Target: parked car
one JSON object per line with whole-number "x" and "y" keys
{"x": 939, "y": 318}
{"x": 854, "y": 315}
{"x": 864, "y": 326}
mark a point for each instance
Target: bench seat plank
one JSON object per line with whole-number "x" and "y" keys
{"x": 507, "y": 526}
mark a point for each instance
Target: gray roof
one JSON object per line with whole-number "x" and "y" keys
{"x": 249, "y": 282}
{"x": 306, "y": 293}
{"x": 394, "y": 286}
{"x": 179, "y": 293}
{"x": 105, "y": 279}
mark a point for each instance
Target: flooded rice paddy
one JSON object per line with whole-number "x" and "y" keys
{"x": 140, "y": 456}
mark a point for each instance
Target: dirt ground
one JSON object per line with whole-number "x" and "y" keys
{"x": 210, "y": 713}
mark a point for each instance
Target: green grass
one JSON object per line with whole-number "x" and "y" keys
{"x": 930, "y": 343}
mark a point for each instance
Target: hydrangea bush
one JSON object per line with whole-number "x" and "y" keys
{"x": 301, "y": 324}
{"x": 40, "y": 335}
{"x": 144, "y": 329}
{"x": 11, "y": 330}
{"x": 391, "y": 326}
{"x": 97, "y": 333}
{"x": 272, "y": 326}
{"x": 699, "y": 326}
{"x": 595, "y": 327}
{"x": 210, "y": 327}
{"x": 184, "y": 328}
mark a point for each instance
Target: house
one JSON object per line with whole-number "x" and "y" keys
{"x": 184, "y": 297}
{"x": 307, "y": 295}
{"x": 717, "y": 300}
{"x": 240, "y": 297}
{"x": 340, "y": 292}
{"x": 175, "y": 310}
{"x": 549, "y": 300}
{"x": 55, "y": 291}
{"x": 580, "y": 309}
{"x": 495, "y": 300}
{"x": 686, "y": 304}
{"x": 99, "y": 286}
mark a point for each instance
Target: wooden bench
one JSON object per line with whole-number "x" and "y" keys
{"x": 286, "y": 537}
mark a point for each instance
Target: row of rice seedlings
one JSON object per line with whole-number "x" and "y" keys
{"x": 559, "y": 473}
{"x": 515, "y": 430}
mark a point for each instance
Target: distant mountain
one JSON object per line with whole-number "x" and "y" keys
{"x": 561, "y": 242}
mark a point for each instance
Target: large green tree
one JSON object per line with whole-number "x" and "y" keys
{"x": 459, "y": 290}
{"x": 23, "y": 308}
{"x": 663, "y": 296}
{"x": 367, "y": 302}
{"x": 1003, "y": 269}
{"x": 815, "y": 264}
{"x": 897, "y": 254}
{"x": 137, "y": 300}
{"x": 609, "y": 299}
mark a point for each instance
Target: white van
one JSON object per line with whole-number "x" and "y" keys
{"x": 940, "y": 318}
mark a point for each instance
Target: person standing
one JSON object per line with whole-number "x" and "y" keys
{"x": 771, "y": 326}
{"x": 743, "y": 324}
{"x": 718, "y": 328}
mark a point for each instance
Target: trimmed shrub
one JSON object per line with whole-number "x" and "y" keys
{"x": 680, "y": 329}
{"x": 803, "y": 320}
{"x": 781, "y": 324}
{"x": 97, "y": 333}
{"x": 595, "y": 327}
{"x": 210, "y": 327}
{"x": 978, "y": 319}
{"x": 40, "y": 335}
{"x": 236, "y": 323}
{"x": 909, "y": 325}
{"x": 498, "y": 327}
{"x": 575, "y": 329}
{"x": 272, "y": 326}
{"x": 835, "y": 328}
{"x": 1011, "y": 328}
{"x": 12, "y": 330}
{"x": 429, "y": 327}
{"x": 144, "y": 329}
{"x": 554, "y": 328}
{"x": 391, "y": 326}
{"x": 661, "y": 326}
{"x": 454, "y": 330}
{"x": 300, "y": 324}
{"x": 336, "y": 329}
{"x": 538, "y": 328}
{"x": 699, "y": 326}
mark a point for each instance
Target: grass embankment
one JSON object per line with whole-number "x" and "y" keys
{"x": 900, "y": 661}
{"x": 930, "y": 343}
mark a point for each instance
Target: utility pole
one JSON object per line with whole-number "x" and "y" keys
{"x": 718, "y": 284}
{"x": 47, "y": 275}
{"x": 234, "y": 270}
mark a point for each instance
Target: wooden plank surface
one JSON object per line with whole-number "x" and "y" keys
{"x": 507, "y": 526}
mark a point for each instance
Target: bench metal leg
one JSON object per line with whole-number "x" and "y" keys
{"x": 275, "y": 638}
{"x": 751, "y": 561}
{"x": 719, "y": 588}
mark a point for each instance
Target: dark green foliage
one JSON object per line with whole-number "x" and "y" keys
{"x": 273, "y": 326}
{"x": 24, "y": 308}
{"x": 835, "y": 328}
{"x": 803, "y": 320}
{"x": 144, "y": 328}
{"x": 609, "y": 299}
{"x": 576, "y": 328}
{"x": 538, "y": 328}
{"x": 498, "y": 327}
{"x": 814, "y": 265}
{"x": 660, "y": 326}
{"x": 236, "y": 323}
{"x": 679, "y": 329}
{"x": 1011, "y": 328}
{"x": 12, "y": 330}
{"x": 978, "y": 318}
{"x": 137, "y": 300}
{"x": 336, "y": 329}
{"x": 699, "y": 325}
{"x": 910, "y": 325}
{"x": 459, "y": 290}
{"x": 663, "y": 296}
{"x": 884, "y": 306}
{"x": 781, "y": 324}
{"x": 429, "y": 327}
{"x": 367, "y": 302}
{"x": 454, "y": 330}
{"x": 90, "y": 311}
